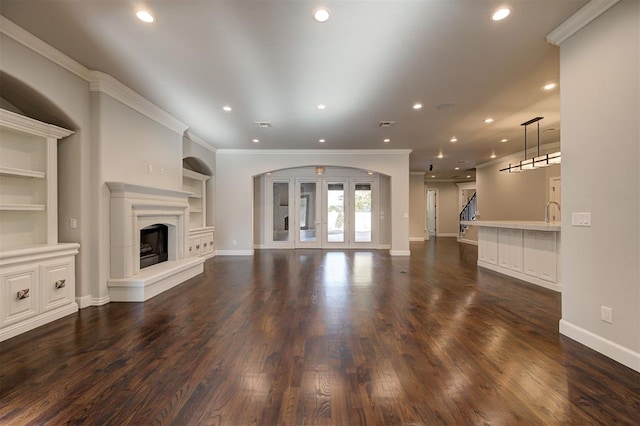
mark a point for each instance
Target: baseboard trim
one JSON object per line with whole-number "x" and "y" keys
{"x": 519, "y": 275}
{"x": 234, "y": 252}
{"x": 400, "y": 252}
{"x": 472, "y": 242}
{"x": 86, "y": 301}
{"x": 449, "y": 234}
{"x": 616, "y": 352}
{"x": 384, "y": 246}
{"x": 416, "y": 239}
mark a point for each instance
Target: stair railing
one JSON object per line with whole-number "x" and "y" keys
{"x": 468, "y": 212}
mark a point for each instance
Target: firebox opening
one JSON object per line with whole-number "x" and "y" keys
{"x": 153, "y": 245}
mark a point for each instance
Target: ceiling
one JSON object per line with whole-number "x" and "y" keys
{"x": 370, "y": 62}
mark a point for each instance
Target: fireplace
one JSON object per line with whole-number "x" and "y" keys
{"x": 153, "y": 245}
{"x": 149, "y": 233}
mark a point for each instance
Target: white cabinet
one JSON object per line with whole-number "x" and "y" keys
{"x": 202, "y": 242}
{"x": 510, "y": 249}
{"x": 540, "y": 255}
{"x": 530, "y": 255}
{"x": 488, "y": 250}
{"x": 201, "y": 236}
{"x": 37, "y": 275}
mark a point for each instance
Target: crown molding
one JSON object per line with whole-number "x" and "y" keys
{"x": 39, "y": 46}
{"x": 104, "y": 83}
{"x": 417, "y": 173}
{"x": 313, "y": 151}
{"x": 98, "y": 81}
{"x": 579, "y": 20}
{"x": 195, "y": 139}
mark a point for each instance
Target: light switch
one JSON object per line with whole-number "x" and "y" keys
{"x": 73, "y": 223}
{"x": 580, "y": 219}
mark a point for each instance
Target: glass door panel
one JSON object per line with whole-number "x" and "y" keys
{"x": 280, "y": 211}
{"x": 363, "y": 208}
{"x": 308, "y": 220}
{"x": 335, "y": 213}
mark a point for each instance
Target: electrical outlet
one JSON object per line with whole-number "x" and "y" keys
{"x": 73, "y": 223}
{"x": 150, "y": 168}
{"x": 606, "y": 314}
{"x": 234, "y": 242}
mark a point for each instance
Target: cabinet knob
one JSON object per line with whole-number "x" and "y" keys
{"x": 211, "y": 242}
{"x": 190, "y": 248}
{"x": 198, "y": 246}
{"x": 23, "y": 294}
{"x": 61, "y": 283}
{"x": 205, "y": 244}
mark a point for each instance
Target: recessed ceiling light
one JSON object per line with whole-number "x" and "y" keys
{"x": 321, "y": 14}
{"x": 488, "y": 120}
{"x": 145, "y": 16}
{"x": 457, "y": 168}
{"x": 504, "y": 140}
{"x": 370, "y": 173}
{"x": 549, "y": 86}
{"x": 417, "y": 106}
{"x": 433, "y": 176}
{"x": 321, "y": 140}
{"x": 386, "y": 140}
{"x": 492, "y": 156}
{"x": 256, "y": 140}
{"x": 440, "y": 155}
{"x": 468, "y": 176}
{"x": 322, "y": 106}
{"x": 453, "y": 139}
{"x": 227, "y": 108}
{"x": 501, "y": 13}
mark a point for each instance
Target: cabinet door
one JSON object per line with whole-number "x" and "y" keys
{"x": 488, "y": 241}
{"x": 530, "y": 253}
{"x": 546, "y": 244}
{"x": 194, "y": 246}
{"x": 20, "y": 294}
{"x": 516, "y": 251}
{"x": 206, "y": 241}
{"x": 504, "y": 248}
{"x": 57, "y": 283}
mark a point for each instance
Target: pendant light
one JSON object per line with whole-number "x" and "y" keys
{"x": 536, "y": 162}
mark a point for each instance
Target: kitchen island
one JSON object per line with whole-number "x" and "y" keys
{"x": 527, "y": 250}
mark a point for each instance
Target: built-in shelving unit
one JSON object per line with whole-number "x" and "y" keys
{"x": 37, "y": 274}
{"x": 201, "y": 236}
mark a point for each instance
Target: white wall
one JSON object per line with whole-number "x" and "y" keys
{"x": 600, "y": 101}
{"x": 77, "y": 174}
{"x": 417, "y": 206}
{"x": 111, "y": 142}
{"x": 235, "y": 170}
{"x": 385, "y": 211}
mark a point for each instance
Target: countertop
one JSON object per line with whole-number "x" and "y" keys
{"x": 515, "y": 224}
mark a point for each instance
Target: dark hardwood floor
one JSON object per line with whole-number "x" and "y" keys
{"x": 320, "y": 337}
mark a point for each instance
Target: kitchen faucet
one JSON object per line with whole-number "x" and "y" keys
{"x": 546, "y": 210}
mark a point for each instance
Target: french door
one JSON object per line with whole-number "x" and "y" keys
{"x": 348, "y": 209}
{"x": 322, "y": 213}
{"x": 308, "y": 214}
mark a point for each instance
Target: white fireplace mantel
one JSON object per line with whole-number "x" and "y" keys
{"x": 132, "y": 208}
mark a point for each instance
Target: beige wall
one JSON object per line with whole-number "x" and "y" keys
{"x": 600, "y": 175}
{"x": 416, "y": 207}
{"x": 513, "y": 196}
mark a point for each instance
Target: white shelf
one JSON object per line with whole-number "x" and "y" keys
{"x": 23, "y": 207}
{"x": 10, "y": 171}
